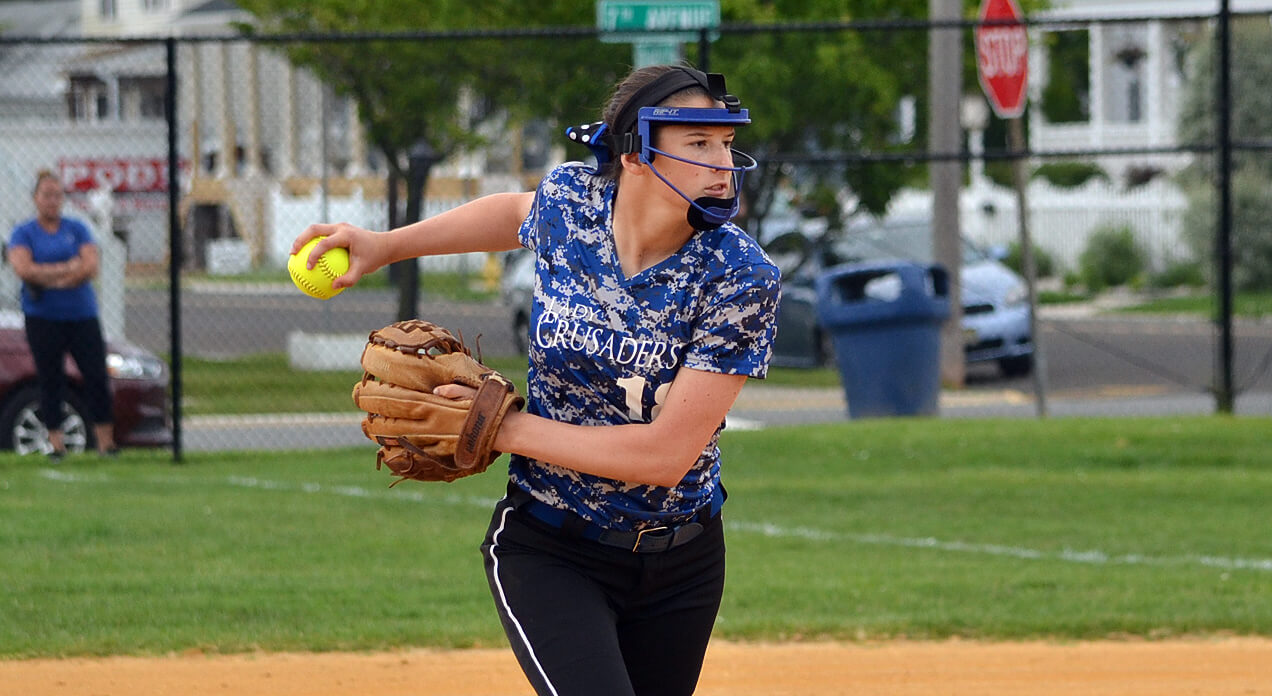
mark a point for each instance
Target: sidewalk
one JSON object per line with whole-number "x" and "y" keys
{"x": 760, "y": 405}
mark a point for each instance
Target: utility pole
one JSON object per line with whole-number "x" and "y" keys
{"x": 945, "y": 94}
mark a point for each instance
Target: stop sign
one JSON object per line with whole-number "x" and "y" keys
{"x": 1002, "y": 56}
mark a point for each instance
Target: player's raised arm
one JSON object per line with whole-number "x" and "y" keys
{"x": 488, "y": 223}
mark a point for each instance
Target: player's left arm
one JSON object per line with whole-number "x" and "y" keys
{"x": 658, "y": 453}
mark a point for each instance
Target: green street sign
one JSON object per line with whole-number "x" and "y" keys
{"x": 655, "y": 53}
{"x": 667, "y": 20}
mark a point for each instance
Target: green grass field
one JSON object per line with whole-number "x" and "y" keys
{"x": 1063, "y": 528}
{"x": 1244, "y": 304}
{"x": 265, "y": 383}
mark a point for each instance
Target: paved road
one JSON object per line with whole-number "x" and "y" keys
{"x": 1084, "y": 352}
{"x": 759, "y": 406}
{"x": 1110, "y": 365}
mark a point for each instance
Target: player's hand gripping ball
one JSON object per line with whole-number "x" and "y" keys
{"x": 316, "y": 281}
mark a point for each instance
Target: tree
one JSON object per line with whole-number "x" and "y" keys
{"x": 809, "y": 92}
{"x": 1252, "y": 170}
{"x": 820, "y": 92}
{"x": 409, "y": 91}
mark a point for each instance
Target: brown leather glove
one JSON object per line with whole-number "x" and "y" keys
{"x": 423, "y": 436}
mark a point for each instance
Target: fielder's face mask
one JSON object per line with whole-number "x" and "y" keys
{"x": 633, "y": 132}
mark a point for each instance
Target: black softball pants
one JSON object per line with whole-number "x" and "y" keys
{"x": 585, "y": 619}
{"x": 50, "y": 341}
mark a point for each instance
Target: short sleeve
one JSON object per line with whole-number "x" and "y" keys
{"x": 82, "y": 234}
{"x": 734, "y": 334}
{"x": 528, "y": 234}
{"x": 21, "y": 236}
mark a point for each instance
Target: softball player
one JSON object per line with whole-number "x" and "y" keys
{"x": 650, "y": 311}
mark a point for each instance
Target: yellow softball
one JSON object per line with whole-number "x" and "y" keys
{"x": 316, "y": 282}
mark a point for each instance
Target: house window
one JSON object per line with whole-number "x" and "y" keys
{"x": 87, "y": 99}
{"x": 106, "y": 8}
{"x": 142, "y": 98}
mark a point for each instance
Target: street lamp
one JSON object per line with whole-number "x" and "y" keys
{"x": 974, "y": 113}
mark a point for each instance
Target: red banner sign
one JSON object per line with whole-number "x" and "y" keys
{"x": 118, "y": 174}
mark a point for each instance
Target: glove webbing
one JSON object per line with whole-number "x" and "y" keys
{"x": 410, "y": 447}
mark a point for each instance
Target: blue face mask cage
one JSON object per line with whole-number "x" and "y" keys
{"x": 711, "y": 212}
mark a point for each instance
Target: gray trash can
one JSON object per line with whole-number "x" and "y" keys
{"x": 885, "y": 322}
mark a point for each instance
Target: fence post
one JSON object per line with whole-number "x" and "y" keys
{"x": 1223, "y": 394}
{"x": 174, "y": 244}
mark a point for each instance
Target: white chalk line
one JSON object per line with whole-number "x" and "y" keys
{"x": 1091, "y": 557}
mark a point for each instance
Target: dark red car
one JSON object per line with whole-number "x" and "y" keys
{"x": 139, "y": 381}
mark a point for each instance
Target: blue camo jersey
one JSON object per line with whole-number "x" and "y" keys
{"x": 605, "y": 348}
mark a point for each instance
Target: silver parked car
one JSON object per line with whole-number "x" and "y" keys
{"x": 994, "y": 298}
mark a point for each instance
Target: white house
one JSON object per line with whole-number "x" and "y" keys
{"x": 257, "y": 135}
{"x": 1136, "y": 74}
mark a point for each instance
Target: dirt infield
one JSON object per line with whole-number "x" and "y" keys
{"x": 1217, "y": 667}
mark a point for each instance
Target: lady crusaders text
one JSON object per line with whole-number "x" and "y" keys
{"x": 579, "y": 329}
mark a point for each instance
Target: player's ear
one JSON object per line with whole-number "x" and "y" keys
{"x": 631, "y": 163}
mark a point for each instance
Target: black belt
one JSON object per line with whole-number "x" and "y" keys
{"x": 652, "y": 540}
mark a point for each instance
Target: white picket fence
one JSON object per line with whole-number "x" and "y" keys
{"x": 289, "y": 215}
{"x": 1062, "y": 220}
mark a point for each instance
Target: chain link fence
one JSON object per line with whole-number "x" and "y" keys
{"x": 1122, "y": 155}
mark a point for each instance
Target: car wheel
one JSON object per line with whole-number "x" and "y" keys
{"x": 1017, "y": 366}
{"x": 521, "y": 332}
{"x": 22, "y": 431}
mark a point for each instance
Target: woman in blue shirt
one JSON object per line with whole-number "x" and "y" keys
{"x": 56, "y": 258}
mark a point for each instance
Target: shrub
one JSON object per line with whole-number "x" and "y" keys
{"x": 1070, "y": 174}
{"x": 1179, "y": 274}
{"x": 1043, "y": 263}
{"x": 1111, "y": 258}
{"x": 1251, "y": 227}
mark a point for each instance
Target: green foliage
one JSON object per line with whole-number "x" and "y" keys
{"x": 1098, "y": 527}
{"x": 1179, "y": 274}
{"x": 1064, "y": 98}
{"x": 1251, "y": 227}
{"x": 818, "y": 92}
{"x": 1044, "y": 264}
{"x": 1000, "y": 172}
{"x": 1111, "y": 258}
{"x": 1251, "y": 305}
{"x": 1060, "y": 297}
{"x": 410, "y": 90}
{"x": 1070, "y": 174}
{"x": 810, "y": 91}
{"x": 1251, "y": 99}
{"x": 267, "y": 383}
{"x": 1252, "y": 176}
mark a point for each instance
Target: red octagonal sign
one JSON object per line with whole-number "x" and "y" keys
{"x": 1002, "y": 56}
